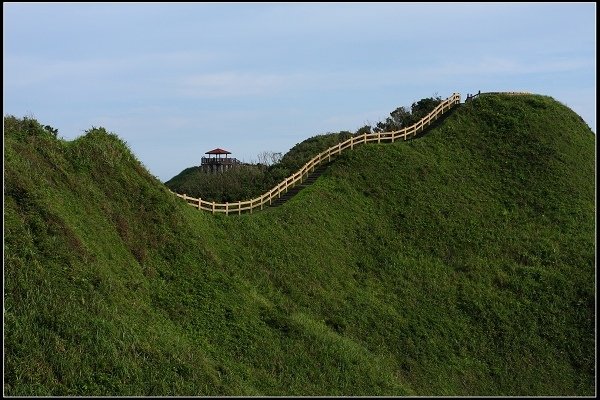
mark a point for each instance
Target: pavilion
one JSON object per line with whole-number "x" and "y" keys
{"x": 215, "y": 163}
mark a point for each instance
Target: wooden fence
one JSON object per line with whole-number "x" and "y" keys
{"x": 325, "y": 156}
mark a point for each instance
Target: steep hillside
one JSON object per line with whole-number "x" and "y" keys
{"x": 459, "y": 263}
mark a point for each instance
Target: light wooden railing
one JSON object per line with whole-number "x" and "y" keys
{"x": 302, "y": 173}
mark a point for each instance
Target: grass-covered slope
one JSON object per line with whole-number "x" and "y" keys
{"x": 460, "y": 263}
{"x": 243, "y": 182}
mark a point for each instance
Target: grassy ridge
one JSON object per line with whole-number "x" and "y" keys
{"x": 252, "y": 180}
{"x": 461, "y": 263}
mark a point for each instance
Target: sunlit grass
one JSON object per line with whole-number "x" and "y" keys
{"x": 460, "y": 263}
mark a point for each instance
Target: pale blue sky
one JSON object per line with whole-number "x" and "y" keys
{"x": 175, "y": 80}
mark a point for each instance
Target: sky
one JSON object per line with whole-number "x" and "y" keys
{"x": 175, "y": 80}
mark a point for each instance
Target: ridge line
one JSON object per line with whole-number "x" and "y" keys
{"x": 309, "y": 167}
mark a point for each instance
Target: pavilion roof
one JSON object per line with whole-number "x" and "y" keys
{"x": 218, "y": 151}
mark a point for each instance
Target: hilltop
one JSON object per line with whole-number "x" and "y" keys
{"x": 459, "y": 263}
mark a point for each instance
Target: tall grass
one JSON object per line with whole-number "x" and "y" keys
{"x": 460, "y": 263}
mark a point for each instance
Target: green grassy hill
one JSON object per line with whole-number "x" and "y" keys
{"x": 459, "y": 263}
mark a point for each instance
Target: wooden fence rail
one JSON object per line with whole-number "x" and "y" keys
{"x": 325, "y": 156}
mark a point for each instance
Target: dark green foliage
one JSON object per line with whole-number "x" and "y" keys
{"x": 461, "y": 263}
{"x": 21, "y": 129}
{"x": 402, "y": 117}
{"x": 364, "y": 130}
{"x": 423, "y": 107}
{"x": 52, "y": 130}
{"x": 302, "y": 152}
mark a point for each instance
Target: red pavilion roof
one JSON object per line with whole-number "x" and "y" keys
{"x": 218, "y": 151}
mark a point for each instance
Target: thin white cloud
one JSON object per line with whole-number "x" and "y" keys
{"x": 240, "y": 83}
{"x": 236, "y": 83}
{"x": 31, "y": 70}
{"x": 507, "y": 66}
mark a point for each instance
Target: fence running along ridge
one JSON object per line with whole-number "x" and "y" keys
{"x": 302, "y": 173}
